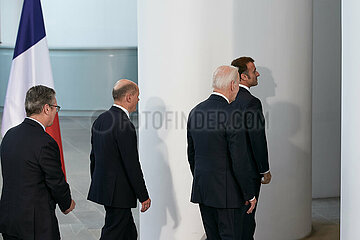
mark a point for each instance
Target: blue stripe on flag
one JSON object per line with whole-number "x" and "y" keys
{"x": 31, "y": 28}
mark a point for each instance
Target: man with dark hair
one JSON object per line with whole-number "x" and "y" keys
{"x": 33, "y": 182}
{"x": 116, "y": 176}
{"x": 254, "y": 123}
{"x": 221, "y": 182}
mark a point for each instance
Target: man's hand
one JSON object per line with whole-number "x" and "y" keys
{"x": 72, "y": 206}
{"x": 267, "y": 178}
{"x": 145, "y": 205}
{"x": 253, "y": 204}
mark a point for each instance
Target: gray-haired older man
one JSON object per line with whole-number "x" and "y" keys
{"x": 33, "y": 180}
{"x": 220, "y": 182}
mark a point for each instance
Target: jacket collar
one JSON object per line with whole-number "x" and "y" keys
{"x": 244, "y": 90}
{"x": 123, "y": 109}
{"x": 33, "y": 123}
{"x": 221, "y": 95}
{"x": 218, "y": 98}
{"x": 244, "y": 87}
{"x": 118, "y": 110}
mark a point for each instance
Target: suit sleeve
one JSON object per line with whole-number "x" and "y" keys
{"x": 50, "y": 164}
{"x": 127, "y": 144}
{"x": 92, "y": 157}
{"x": 190, "y": 149}
{"x": 255, "y": 125}
{"x": 240, "y": 161}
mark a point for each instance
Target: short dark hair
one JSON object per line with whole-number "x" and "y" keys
{"x": 37, "y": 97}
{"x": 240, "y": 63}
{"x": 122, "y": 91}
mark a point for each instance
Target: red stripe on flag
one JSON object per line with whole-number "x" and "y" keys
{"x": 54, "y": 131}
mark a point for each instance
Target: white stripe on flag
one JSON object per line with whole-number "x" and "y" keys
{"x": 30, "y": 68}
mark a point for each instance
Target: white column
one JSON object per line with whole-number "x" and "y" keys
{"x": 278, "y": 34}
{"x": 350, "y": 150}
{"x": 180, "y": 45}
{"x": 326, "y": 108}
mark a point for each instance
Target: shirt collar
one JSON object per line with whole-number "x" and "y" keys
{"x": 37, "y": 122}
{"x": 222, "y": 95}
{"x": 243, "y": 86}
{"x": 122, "y": 108}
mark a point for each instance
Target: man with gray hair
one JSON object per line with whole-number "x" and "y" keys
{"x": 117, "y": 180}
{"x": 33, "y": 179}
{"x": 215, "y": 154}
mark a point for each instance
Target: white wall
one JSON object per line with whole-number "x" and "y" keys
{"x": 350, "y": 115}
{"x": 326, "y": 102}
{"x": 10, "y": 15}
{"x": 180, "y": 45}
{"x": 177, "y": 56}
{"x": 78, "y": 24}
{"x": 278, "y": 34}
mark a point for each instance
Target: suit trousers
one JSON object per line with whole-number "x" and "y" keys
{"x": 7, "y": 237}
{"x": 119, "y": 225}
{"x": 249, "y": 219}
{"x": 222, "y": 223}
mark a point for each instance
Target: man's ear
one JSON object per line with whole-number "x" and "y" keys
{"x": 46, "y": 108}
{"x": 128, "y": 98}
{"x": 243, "y": 76}
{"x": 233, "y": 83}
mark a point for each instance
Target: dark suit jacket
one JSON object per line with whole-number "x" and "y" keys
{"x": 117, "y": 178}
{"x": 33, "y": 183}
{"x": 254, "y": 125}
{"x": 216, "y": 157}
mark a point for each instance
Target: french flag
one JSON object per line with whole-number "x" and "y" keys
{"x": 30, "y": 66}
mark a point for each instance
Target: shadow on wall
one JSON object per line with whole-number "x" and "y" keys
{"x": 285, "y": 157}
{"x": 265, "y": 89}
{"x": 157, "y": 174}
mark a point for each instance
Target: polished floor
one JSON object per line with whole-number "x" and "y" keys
{"x": 85, "y": 222}
{"x": 325, "y": 219}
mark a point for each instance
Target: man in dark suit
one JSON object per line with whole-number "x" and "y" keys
{"x": 254, "y": 123}
{"x": 117, "y": 179}
{"x": 221, "y": 183}
{"x": 33, "y": 182}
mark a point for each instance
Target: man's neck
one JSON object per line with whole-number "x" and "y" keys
{"x": 245, "y": 84}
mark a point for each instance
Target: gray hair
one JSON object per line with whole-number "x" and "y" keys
{"x": 37, "y": 97}
{"x": 224, "y": 76}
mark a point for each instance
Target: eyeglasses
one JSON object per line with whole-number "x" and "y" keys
{"x": 56, "y": 106}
